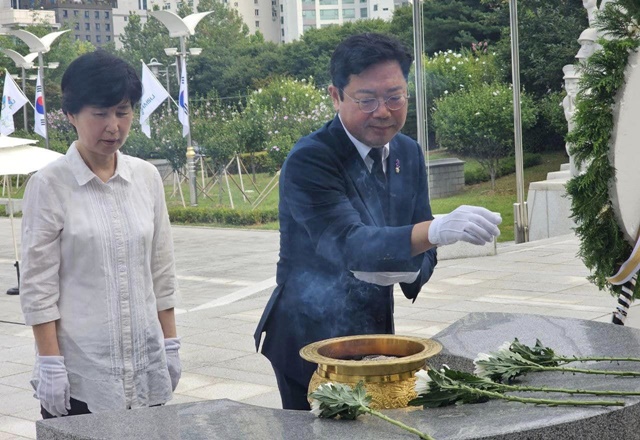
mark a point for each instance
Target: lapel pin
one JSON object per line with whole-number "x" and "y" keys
{"x": 397, "y": 166}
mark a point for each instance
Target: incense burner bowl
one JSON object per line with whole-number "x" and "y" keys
{"x": 389, "y": 382}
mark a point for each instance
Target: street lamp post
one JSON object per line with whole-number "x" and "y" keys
{"x": 23, "y": 62}
{"x": 154, "y": 65}
{"x": 182, "y": 28}
{"x": 40, "y": 46}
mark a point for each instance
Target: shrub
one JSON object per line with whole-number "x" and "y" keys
{"x": 506, "y": 166}
{"x": 223, "y": 216}
{"x": 548, "y": 133}
{"x": 478, "y": 123}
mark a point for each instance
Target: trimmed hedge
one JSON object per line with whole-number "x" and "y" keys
{"x": 507, "y": 166}
{"x": 222, "y": 215}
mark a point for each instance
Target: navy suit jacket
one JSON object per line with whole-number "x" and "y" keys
{"x": 332, "y": 223}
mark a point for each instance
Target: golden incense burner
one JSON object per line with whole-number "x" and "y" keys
{"x": 389, "y": 382}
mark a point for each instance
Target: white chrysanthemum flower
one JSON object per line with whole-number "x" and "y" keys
{"x": 506, "y": 346}
{"x": 315, "y": 408}
{"x": 422, "y": 382}
{"x": 480, "y": 369}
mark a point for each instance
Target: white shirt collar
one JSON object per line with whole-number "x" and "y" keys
{"x": 364, "y": 150}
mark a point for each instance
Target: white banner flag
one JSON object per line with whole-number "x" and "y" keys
{"x": 12, "y": 100}
{"x": 183, "y": 100}
{"x": 153, "y": 94}
{"x": 40, "y": 125}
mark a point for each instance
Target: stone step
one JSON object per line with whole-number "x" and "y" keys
{"x": 565, "y": 167}
{"x": 564, "y": 174}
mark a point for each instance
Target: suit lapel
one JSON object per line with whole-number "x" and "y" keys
{"x": 395, "y": 182}
{"x": 358, "y": 172}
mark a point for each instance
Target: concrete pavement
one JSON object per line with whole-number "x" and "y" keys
{"x": 226, "y": 276}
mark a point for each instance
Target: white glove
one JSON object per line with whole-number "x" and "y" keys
{"x": 53, "y": 386}
{"x": 472, "y": 224}
{"x": 171, "y": 347}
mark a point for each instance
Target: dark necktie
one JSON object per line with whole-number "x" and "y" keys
{"x": 380, "y": 180}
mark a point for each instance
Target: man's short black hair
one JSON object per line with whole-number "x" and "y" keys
{"x": 98, "y": 79}
{"x": 359, "y": 52}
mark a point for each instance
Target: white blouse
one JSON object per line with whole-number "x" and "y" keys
{"x": 98, "y": 258}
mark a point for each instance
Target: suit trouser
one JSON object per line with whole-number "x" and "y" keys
{"x": 292, "y": 392}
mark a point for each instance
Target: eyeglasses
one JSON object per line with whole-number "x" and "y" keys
{"x": 370, "y": 105}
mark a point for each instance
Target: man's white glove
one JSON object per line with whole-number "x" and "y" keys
{"x": 171, "y": 347}
{"x": 472, "y": 224}
{"x": 53, "y": 387}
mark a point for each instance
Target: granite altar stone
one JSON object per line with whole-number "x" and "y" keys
{"x": 462, "y": 341}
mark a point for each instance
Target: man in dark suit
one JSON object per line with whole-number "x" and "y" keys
{"x": 355, "y": 216}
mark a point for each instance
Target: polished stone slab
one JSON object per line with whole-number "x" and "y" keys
{"x": 495, "y": 420}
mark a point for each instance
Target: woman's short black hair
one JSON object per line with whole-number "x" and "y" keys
{"x": 98, "y": 79}
{"x": 358, "y": 52}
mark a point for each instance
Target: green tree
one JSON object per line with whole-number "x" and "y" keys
{"x": 478, "y": 123}
{"x": 450, "y": 24}
{"x": 143, "y": 41}
{"x": 548, "y": 32}
{"x": 309, "y": 57}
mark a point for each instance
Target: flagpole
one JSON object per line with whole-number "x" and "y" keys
{"x": 191, "y": 154}
{"x": 25, "y": 111}
{"x": 44, "y": 100}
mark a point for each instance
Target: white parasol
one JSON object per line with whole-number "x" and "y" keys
{"x": 17, "y": 156}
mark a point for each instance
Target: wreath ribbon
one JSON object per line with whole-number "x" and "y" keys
{"x": 628, "y": 268}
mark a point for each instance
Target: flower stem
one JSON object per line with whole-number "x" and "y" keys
{"x": 567, "y": 359}
{"x": 550, "y": 402}
{"x": 586, "y": 371}
{"x": 506, "y": 387}
{"x": 422, "y": 435}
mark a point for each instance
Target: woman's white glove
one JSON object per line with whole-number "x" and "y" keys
{"x": 171, "y": 347}
{"x": 472, "y": 224}
{"x": 53, "y": 387}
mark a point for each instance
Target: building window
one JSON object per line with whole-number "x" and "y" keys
{"x": 363, "y": 13}
{"x": 96, "y": 14}
{"x": 107, "y": 26}
{"x": 108, "y": 37}
{"x": 348, "y": 13}
{"x": 328, "y": 2}
{"x": 106, "y": 14}
{"x": 329, "y": 14}
{"x": 257, "y": 12}
{"x": 87, "y": 37}
{"x": 65, "y": 13}
{"x": 98, "y": 39}
{"x": 77, "y": 26}
{"x": 282, "y": 31}
{"x": 87, "y": 26}
{"x": 75, "y": 13}
{"x": 166, "y": 6}
{"x": 77, "y": 37}
{"x": 309, "y": 14}
{"x": 347, "y": 2}
{"x": 375, "y": 7}
{"x": 306, "y": 27}
{"x": 309, "y": 2}
{"x": 255, "y": 2}
{"x": 126, "y": 18}
{"x": 86, "y": 14}
{"x": 97, "y": 26}
{"x": 257, "y": 24}
{"x": 281, "y": 20}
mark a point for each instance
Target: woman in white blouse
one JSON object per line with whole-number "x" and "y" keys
{"x": 98, "y": 278}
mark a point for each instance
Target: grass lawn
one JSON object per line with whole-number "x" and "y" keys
{"x": 501, "y": 199}
{"x": 505, "y": 194}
